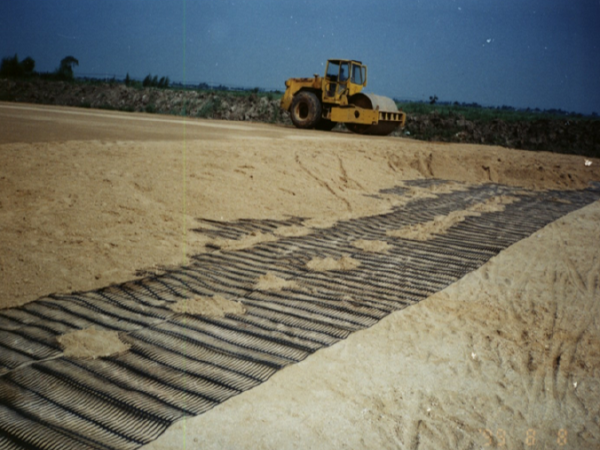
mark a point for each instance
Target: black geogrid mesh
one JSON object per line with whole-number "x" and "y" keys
{"x": 184, "y": 365}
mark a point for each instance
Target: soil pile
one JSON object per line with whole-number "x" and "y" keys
{"x": 371, "y": 246}
{"x": 91, "y": 344}
{"x": 325, "y": 264}
{"x": 271, "y": 282}
{"x": 216, "y": 306}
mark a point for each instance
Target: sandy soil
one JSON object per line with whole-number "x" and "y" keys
{"x": 271, "y": 282}
{"x": 79, "y": 214}
{"x": 324, "y": 264}
{"x": 90, "y": 343}
{"x": 90, "y": 198}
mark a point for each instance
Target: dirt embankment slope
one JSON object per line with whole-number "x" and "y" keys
{"x": 78, "y": 215}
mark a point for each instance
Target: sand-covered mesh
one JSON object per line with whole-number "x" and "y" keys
{"x": 215, "y": 306}
{"x": 371, "y": 246}
{"x": 321, "y": 222}
{"x": 292, "y": 231}
{"x": 247, "y": 241}
{"x": 441, "y": 224}
{"x": 90, "y": 343}
{"x": 325, "y": 264}
{"x": 271, "y": 282}
{"x": 512, "y": 348}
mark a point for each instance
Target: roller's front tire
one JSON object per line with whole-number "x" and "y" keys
{"x": 305, "y": 111}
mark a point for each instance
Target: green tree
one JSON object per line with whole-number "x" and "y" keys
{"x": 163, "y": 83}
{"x": 154, "y": 81}
{"x": 65, "y": 70}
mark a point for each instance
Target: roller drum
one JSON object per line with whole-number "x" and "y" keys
{"x": 377, "y": 102}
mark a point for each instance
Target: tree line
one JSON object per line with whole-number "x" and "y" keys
{"x": 11, "y": 67}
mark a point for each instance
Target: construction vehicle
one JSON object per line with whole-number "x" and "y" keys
{"x": 322, "y": 102}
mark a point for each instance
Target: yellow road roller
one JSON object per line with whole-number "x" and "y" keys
{"x": 322, "y": 102}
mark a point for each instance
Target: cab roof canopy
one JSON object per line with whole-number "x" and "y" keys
{"x": 345, "y": 60}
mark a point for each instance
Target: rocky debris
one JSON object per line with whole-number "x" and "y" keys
{"x": 116, "y": 96}
{"x": 565, "y": 135}
{"x": 581, "y": 137}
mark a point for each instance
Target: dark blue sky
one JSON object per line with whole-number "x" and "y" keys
{"x": 523, "y": 53}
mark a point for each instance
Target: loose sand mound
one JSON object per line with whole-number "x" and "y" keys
{"x": 325, "y": 264}
{"x": 91, "y": 344}
{"x": 292, "y": 231}
{"x": 216, "y": 306}
{"x": 271, "y": 282}
{"x": 371, "y": 246}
